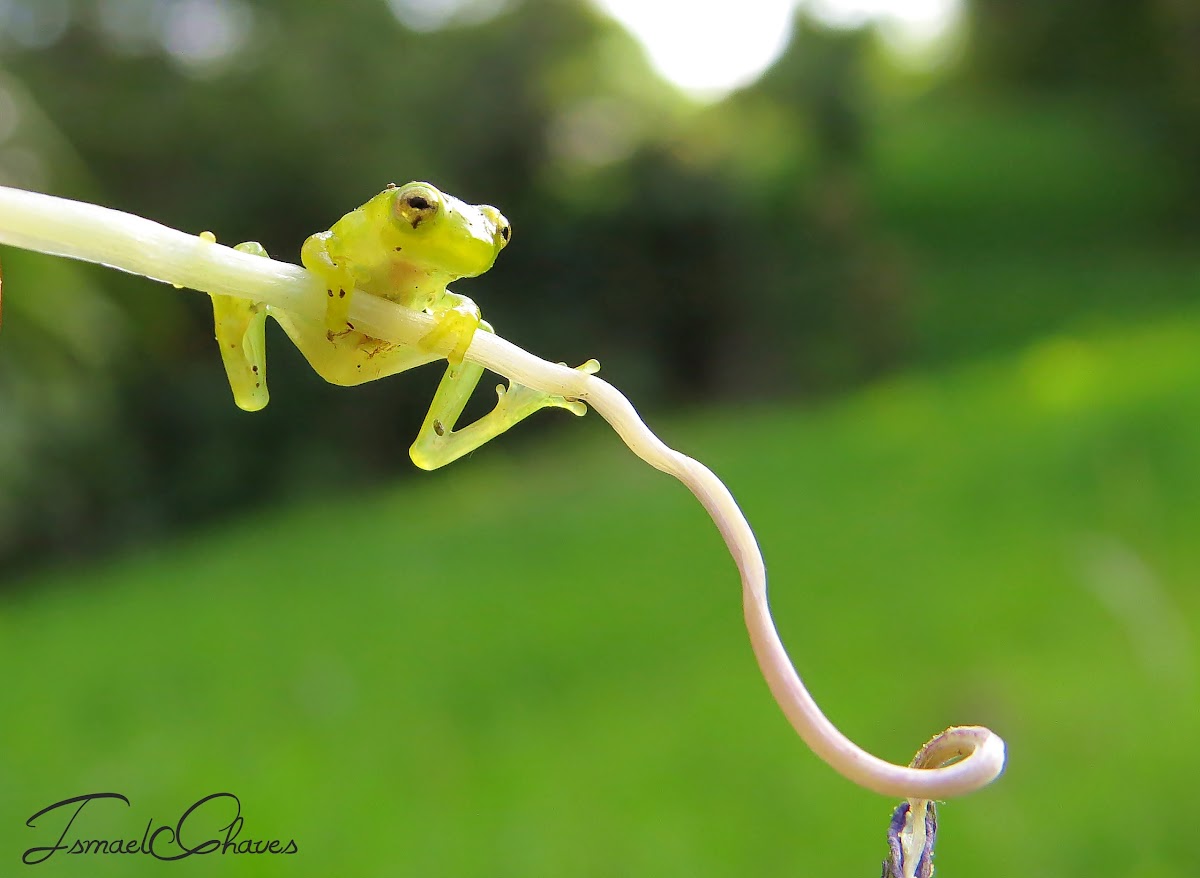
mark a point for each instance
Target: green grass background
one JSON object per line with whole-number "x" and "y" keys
{"x": 535, "y": 664}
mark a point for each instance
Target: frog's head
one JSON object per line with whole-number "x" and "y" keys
{"x": 439, "y": 233}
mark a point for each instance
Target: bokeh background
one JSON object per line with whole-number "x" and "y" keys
{"x": 927, "y": 302}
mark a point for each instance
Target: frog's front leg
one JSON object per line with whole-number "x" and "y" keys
{"x": 240, "y": 331}
{"x": 457, "y": 319}
{"x": 439, "y": 443}
{"x": 318, "y": 254}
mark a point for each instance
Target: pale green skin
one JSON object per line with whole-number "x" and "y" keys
{"x": 406, "y": 245}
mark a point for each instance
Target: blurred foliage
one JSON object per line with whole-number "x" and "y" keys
{"x": 1141, "y": 58}
{"x": 811, "y": 230}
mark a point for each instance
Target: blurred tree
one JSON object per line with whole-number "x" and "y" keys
{"x": 61, "y": 362}
{"x": 737, "y": 241}
{"x": 1143, "y": 57}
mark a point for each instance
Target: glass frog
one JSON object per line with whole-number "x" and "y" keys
{"x": 407, "y": 244}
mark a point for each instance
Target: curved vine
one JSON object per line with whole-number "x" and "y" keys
{"x": 130, "y": 243}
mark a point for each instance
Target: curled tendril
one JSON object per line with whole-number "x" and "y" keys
{"x": 912, "y": 832}
{"x": 130, "y": 243}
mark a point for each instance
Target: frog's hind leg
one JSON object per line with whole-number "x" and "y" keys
{"x": 240, "y": 330}
{"x": 439, "y": 443}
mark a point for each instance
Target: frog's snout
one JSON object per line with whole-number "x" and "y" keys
{"x": 498, "y": 226}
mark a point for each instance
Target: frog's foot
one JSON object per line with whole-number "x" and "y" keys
{"x": 240, "y": 331}
{"x": 338, "y": 279}
{"x": 525, "y": 400}
{"x": 439, "y": 442}
{"x": 452, "y": 335}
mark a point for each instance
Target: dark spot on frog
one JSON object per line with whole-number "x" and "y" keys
{"x": 348, "y": 323}
{"x": 506, "y": 233}
{"x": 398, "y": 249}
{"x": 254, "y": 369}
{"x": 438, "y": 428}
{"x": 330, "y": 293}
{"x": 341, "y": 294}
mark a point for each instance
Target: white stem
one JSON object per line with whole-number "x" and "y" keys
{"x": 130, "y": 243}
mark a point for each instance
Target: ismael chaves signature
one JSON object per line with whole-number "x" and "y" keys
{"x": 213, "y": 825}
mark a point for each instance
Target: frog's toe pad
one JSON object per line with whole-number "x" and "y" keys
{"x": 591, "y": 367}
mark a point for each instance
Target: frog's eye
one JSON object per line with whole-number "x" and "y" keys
{"x": 503, "y": 230}
{"x": 417, "y": 203}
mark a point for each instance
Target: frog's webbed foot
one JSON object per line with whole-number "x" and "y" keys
{"x": 439, "y": 443}
{"x": 518, "y": 397}
{"x": 240, "y": 330}
{"x": 454, "y": 331}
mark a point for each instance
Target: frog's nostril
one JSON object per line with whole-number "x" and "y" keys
{"x": 497, "y": 225}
